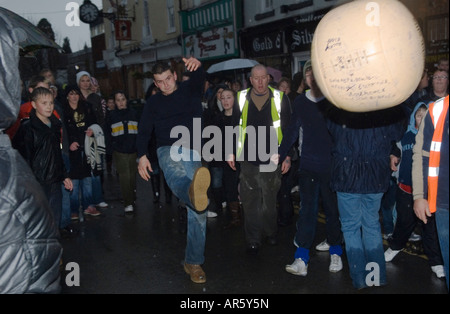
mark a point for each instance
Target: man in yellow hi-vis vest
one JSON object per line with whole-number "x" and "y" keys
{"x": 265, "y": 112}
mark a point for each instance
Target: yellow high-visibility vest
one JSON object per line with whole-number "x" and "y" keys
{"x": 275, "y": 110}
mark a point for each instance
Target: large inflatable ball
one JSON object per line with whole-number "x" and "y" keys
{"x": 368, "y": 55}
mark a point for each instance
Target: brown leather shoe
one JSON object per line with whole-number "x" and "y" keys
{"x": 196, "y": 272}
{"x": 199, "y": 188}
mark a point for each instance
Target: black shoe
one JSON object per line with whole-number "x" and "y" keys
{"x": 253, "y": 249}
{"x": 68, "y": 232}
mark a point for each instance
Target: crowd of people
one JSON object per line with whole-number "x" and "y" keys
{"x": 285, "y": 135}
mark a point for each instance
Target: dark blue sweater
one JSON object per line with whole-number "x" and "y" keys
{"x": 163, "y": 113}
{"x": 316, "y": 143}
{"x": 362, "y": 143}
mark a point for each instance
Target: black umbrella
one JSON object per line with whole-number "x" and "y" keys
{"x": 29, "y": 36}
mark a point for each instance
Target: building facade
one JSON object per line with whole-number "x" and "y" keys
{"x": 278, "y": 33}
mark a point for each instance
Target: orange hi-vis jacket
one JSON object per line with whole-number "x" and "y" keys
{"x": 438, "y": 110}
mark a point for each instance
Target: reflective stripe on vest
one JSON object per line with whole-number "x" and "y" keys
{"x": 438, "y": 110}
{"x": 275, "y": 111}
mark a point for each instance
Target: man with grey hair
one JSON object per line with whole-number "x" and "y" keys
{"x": 265, "y": 112}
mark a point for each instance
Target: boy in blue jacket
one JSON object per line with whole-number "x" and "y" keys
{"x": 406, "y": 219}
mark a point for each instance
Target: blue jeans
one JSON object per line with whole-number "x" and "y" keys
{"x": 97, "y": 190}
{"x": 179, "y": 175}
{"x": 361, "y": 228}
{"x": 442, "y": 230}
{"x": 85, "y": 187}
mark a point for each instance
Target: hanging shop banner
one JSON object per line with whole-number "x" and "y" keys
{"x": 299, "y": 34}
{"x": 122, "y": 29}
{"x": 259, "y": 43}
{"x": 213, "y": 43}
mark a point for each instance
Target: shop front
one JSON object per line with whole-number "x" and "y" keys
{"x": 284, "y": 45}
{"x": 209, "y": 32}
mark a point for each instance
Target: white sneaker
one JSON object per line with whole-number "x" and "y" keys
{"x": 438, "y": 270}
{"x": 387, "y": 236}
{"x": 390, "y": 254}
{"x": 129, "y": 209}
{"x": 335, "y": 264}
{"x": 323, "y": 246}
{"x": 211, "y": 214}
{"x": 414, "y": 237}
{"x": 102, "y": 205}
{"x": 298, "y": 267}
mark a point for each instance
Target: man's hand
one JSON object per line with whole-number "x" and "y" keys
{"x": 68, "y": 184}
{"x": 192, "y": 64}
{"x": 89, "y": 132}
{"x": 421, "y": 209}
{"x": 286, "y": 165}
{"x": 144, "y": 168}
{"x": 394, "y": 162}
{"x": 231, "y": 161}
{"x": 74, "y": 146}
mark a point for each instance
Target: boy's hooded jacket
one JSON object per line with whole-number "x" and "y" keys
{"x": 406, "y": 146}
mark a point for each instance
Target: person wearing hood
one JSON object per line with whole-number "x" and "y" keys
{"x": 29, "y": 247}
{"x": 401, "y": 161}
